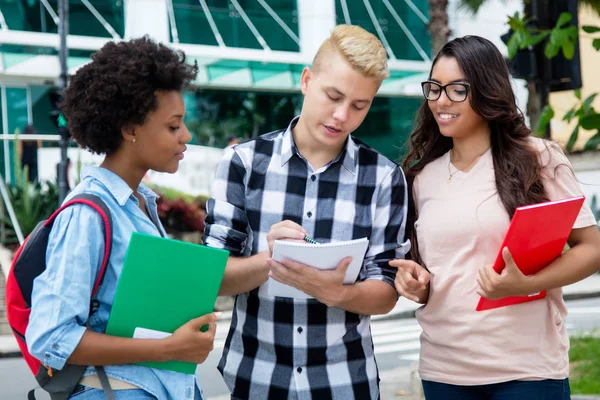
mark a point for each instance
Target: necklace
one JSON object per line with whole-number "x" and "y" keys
{"x": 451, "y": 174}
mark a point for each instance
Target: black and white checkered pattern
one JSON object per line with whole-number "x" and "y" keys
{"x": 280, "y": 348}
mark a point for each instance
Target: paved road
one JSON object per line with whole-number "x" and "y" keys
{"x": 396, "y": 347}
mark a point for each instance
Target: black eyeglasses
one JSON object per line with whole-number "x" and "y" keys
{"x": 456, "y": 92}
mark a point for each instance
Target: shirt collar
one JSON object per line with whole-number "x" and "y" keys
{"x": 117, "y": 187}
{"x": 288, "y": 148}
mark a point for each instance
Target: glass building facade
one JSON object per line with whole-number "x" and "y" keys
{"x": 241, "y": 97}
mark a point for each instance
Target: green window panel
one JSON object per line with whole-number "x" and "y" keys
{"x": 2, "y": 167}
{"x": 11, "y": 59}
{"x": 397, "y": 39}
{"x": 14, "y": 12}
{"x": 193, "y": 25}
{"x": 388, "y": 125}
{"x": 213, "y": 115}
{"x": 16, "y": 118}
{"x": 31, "y": 15}
{"x": 41, "y": 108}
{"x": 16, "y": 109}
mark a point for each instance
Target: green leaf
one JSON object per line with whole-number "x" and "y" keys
{"x": 568, "y": 50}
{"x": 545, "y": 117}
{"x": 590, "y": 28}
{"x": 593, "y": 142}
{"x": 590, "y": 122}
{"x": 596, "y": 44}
{"x": 573, "y": 138}
{"x": 516, "y": 22}
{"x": 558, "y": 36}
{"x": 522, "y": 38}
{"x": 572, "y": 32}
{"x": 587, "y": 104}
{"x": 578, "y": 93}
{"x": 563, "y": 19}
{"x": 536, "y": 39}
{"x": 569, "y": 115}
{"x": 551, "y": 50}
{"x": 513, "y": 46}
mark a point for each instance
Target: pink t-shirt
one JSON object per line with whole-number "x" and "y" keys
{"x": 460, "y": 228}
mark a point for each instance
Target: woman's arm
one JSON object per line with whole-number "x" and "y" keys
{"x": 187, "y": 343}
{"x": 577, "y": 263}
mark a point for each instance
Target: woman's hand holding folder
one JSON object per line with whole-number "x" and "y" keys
{"x": 510, "y": 282}
{"x": 191, "y": 343}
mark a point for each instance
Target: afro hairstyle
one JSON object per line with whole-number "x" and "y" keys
{"x": 117, "y": 89}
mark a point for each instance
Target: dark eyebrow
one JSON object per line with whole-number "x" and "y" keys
{"x": 461, "y": 80}
{"x": 331, "y": 88}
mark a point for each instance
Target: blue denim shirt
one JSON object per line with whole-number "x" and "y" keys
{"x": 61, "y": 294}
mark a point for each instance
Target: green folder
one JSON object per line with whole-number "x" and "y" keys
{"x": 164, "y": 284}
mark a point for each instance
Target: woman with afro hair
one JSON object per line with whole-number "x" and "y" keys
{"x": 126, "y": 104}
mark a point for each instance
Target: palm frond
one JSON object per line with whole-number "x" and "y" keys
{"x": 471, "y": 5}
{"x": 594, "y": 5}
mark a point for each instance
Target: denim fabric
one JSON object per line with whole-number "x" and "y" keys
{"x": 61, "y": 294}
{"x": 548, "y": 389}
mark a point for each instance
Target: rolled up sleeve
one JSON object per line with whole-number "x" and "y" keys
{"x": 60, "y": 301}
{"x": 226, "y": 224}
{"x": 387, "y": 240}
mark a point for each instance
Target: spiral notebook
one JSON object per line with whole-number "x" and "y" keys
{"x": 325, "y": 256}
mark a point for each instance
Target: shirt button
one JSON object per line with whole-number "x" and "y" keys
{"x": 312, "y": 178}
{"x": 299, "y": 369}
{"x": 309, "y": 214}
{"x": 54, "y": 346}
{"x": 299, "y": 329}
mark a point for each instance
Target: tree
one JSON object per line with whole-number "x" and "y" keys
{"x": 438, "y": 24}
{"x": 561, "y": 38}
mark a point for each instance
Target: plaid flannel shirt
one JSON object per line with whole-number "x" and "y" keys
{"x": 283, "y": 348}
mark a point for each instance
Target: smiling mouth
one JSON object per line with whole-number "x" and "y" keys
{"x": 447, "y": 116}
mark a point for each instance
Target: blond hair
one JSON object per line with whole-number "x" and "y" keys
{"x": 361, "y": 49}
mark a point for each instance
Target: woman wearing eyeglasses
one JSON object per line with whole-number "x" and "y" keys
{"x": 473, "y": 161}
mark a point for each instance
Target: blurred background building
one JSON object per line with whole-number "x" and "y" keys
{"x": 250, "y": 52}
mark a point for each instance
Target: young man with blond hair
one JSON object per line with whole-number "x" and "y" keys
{"x": 313, "y": 179}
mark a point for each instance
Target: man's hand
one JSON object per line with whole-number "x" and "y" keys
{"x": 412, "y": 280}
{"x": 285, "y": 230}
{"x": 325, "y": 286}
{"x": 510, "y": 282}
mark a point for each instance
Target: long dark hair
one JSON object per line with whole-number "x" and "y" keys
{"x": 516, "y": 164}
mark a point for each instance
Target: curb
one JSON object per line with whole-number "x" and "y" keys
{"x": 411, "y": 313}
{"x": 580, "y": 296}
{"x": 585, "y": 397}
{"x": 11, "y": 354}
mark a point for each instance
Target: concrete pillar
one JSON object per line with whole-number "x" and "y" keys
{"x": 316, "y": 20}
{"x": 147, "y": 17}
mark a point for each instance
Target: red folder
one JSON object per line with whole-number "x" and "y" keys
{"x": 536, "y": 236}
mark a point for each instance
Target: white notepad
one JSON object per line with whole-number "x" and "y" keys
{"x": 321, "y": 256}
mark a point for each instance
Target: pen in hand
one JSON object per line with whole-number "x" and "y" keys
{"x": 310, "y": 240}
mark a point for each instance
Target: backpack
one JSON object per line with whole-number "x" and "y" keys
{"x": 28, "y": 263}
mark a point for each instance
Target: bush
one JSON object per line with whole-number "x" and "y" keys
{"x": 32, "y": 203}
{"x": 182, "y": 215}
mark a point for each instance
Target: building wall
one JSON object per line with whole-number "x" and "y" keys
{"x": 564, "y": 101}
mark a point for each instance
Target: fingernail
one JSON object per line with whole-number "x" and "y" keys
{"x": 218, "y": 314}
